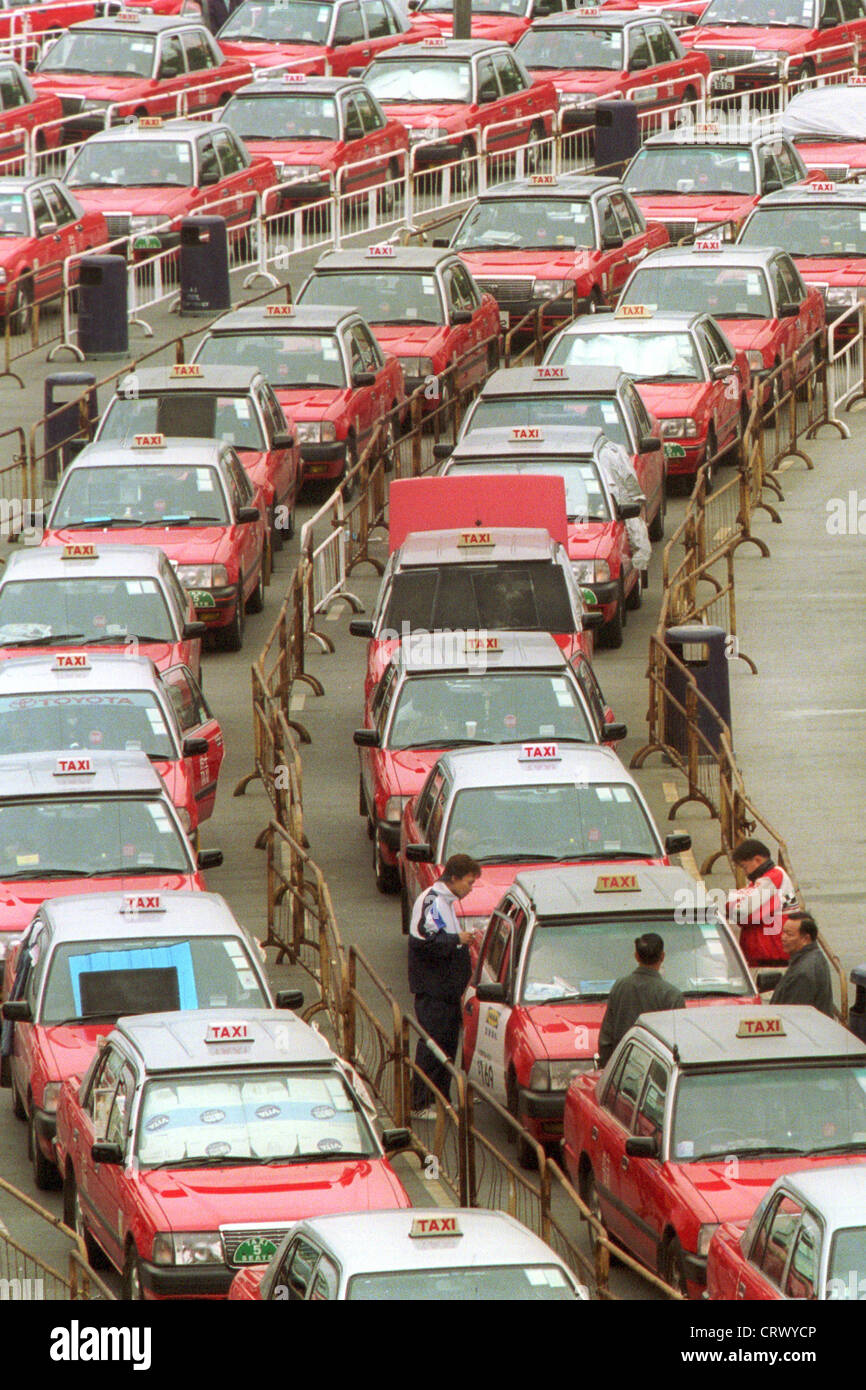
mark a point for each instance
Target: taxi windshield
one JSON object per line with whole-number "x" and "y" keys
{"x": 583, "y": 959}
{"x": 284, "y": 117}
{"x": 800, "y": 1108}
{"x": 146, "y": 164}
{"x": 194, "y": 414}
{"x": 517, "y": 7}
{"x": 435, "y": 711}
{"x": 286, "y": 359}
{"x": 148, "y": 975}
{"x": 585, "y": 498}
{"x": 820, "y": 230}
{"x": 98, "y": 838}
{"x": 530, "y": 596}
{"x": 581, "y": 47}
{"x": 419, "y": 79}
{"x": 114, "y": 721}
{"x": 559, "y": 224}
{"x": 589, "y": 412}
{"x": 109, "y": 53}
{"x": 296, "y": 21}
{"x": 380, "y": 296}
{"x": 558, "y": 821}
{"x": 726, "y": 291}
{"x": 847, "y": 1253}
{"x": 646, "y": 356}
{"x": 786, "y": 14}
{"x": 79, "y": 611}
{"x": 135, "y": 496}
{"x": 692, "y": 169}
{"x": 268, "y": 1115}
{"x": 492, "y": 1283}
{"x": 13, "y": 215}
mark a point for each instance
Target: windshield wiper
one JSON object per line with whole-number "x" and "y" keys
{"x": 118, "y": 638}
{"x": 448, "y": 743}
{"x": 409, "y": 323}
{"x": 37, "y": 872}
{"x": 757, "y": 1151}
{"x": 42, "y": 641}
{"x": 102, "y": 1016}
{"x": 847, "y": 1147}
{"x": 490, "y": 246}
{"x": 522, "y": 857}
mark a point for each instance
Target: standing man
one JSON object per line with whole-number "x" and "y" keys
{"x": 642, "y": 992}
{"x": 807, "y": 979}
{"x": 760, "y": 910}
{"x": 439, "y": 971}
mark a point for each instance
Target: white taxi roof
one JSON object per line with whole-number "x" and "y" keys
{"x": 443, "y": 547}
{"x": 112, "y": 561}
{"x": 574, "y": 891}
{"x": 708, "y": 1036}
{"x": 555, "y": 442}
{"x": 838, "y": 1193}
{"x": 495, "y": 767}
{"x": 103, "y": 916}
{"x": 36, "y": 675}
{"x": 174, "y": 451}
{"x": 502, "y": 651}
{"x": 26, "y": 775}
{"x": 172, "y": 1042}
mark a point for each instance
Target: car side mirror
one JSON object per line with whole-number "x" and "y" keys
{"x": 491, "y": 993}
{"x": 611, "y": 242}
{"x": 191, "y": 630}
{"x": 45, "y": 228}
{"x": 590, "y": 621}
{"x": 443, "y": 449}
{"x": 627, "y": 511}
{"x": 366, "y": 738}
{"x": 766, "y": 980}
{"x": 209, "y": 858}
{"x": 282, "y": 440}
{"x": 210, "y": 177}
{"x": 772, "y": 185}
{"x": 103, "y": 1152}
{"x": 612, "y": 733}
{"x": 361, "y": 627}
{"x": 244, "y": 515}
{"x": 488, "y": 91}
{"x": 363, "y": 378}
{"x": 723, "y": 369}
{"x": 359, "y": 72}
{"x": 461, "y": 315}
{"x": 17, "y": 1011}
{"x": 420, "y": 853}
{"x": 441, "y": 241}
{"x": 289, "y": 998}
{"x": 828, "y": 22}
{"x": 195, "y": 748}
{"x": 642, "y": 1146}
{"x": 678, "y": 843}
{"x": 638, "y": 64}
{"x": 649, "y": 444}
{"x": 394, "y": 1139}
{"x": 788, "y": 311}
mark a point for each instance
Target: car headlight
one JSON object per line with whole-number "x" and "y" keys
{"x": 705, "y": 1235}
{"x": 843, "y": 294}
{"x": 590, "y": 571}
{"x": 394, "y": 808}
{"x": 433, "y": 132}
{"x": 766, "y": 55}
{"x": 50, "y": 1096}
{"x": 301, "y": 171}
{"x": 315, "y": 431}
{"x": 146, "y": 224}
{"x": 188, "y": 1248}
{"x": 7, "y": 941}
{"x": 678, "y": 426}
{"x": 556, "y": 1076}
{"x": 575, "y": 99}
{"x": 416, "y": 366}
{"x": 203, "y": 576}
{"x": 552, "y": 289}
{"x": 91, "y": 104}
{"x": 3, "y": 276}
{"x": 755, "y": 359}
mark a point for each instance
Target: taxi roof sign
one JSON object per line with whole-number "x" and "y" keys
{"x": 186, "y": 369}
{"x": 382, "y": 248}
{"x": 549, "y": 374}
{"x": 142, "y": 902}
{"x": 468, "y": 539}
{"x": 433, "y": 43}
{"x": 858, "y": 81}
{"x": 279, "y": 311}
{"x": 427, "y": 1226}
{"x": 708, "y": 243}
{"x": 771, "y": 1026}
{"x": 482, "y": 644}
{"x": 526, "y": 434}
{"x": 148, "y": 441}
{"x": 80, "y": 550}
{"x": 75, "y": 765}
{"x": 821, "y": 186}
{"x": 294, "y": 77}
{"x": 539, "y": 753}
{"x": 150, "y": 122}
{"x": 588, "y": 10}
{"x": 71, "y": 661}
{"x": 617, "y": 883}
{"x": 543, "y": 180}
{"x": 228, "y": 1033}
{"x": 634, "y": 311}
{"x": 706, "y": 128}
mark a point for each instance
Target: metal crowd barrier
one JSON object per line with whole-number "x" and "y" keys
{"x": 56, "y": 1269}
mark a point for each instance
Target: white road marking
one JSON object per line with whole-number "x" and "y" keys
{"x": 815, "y": 713}
{"x": 298, "y": 700}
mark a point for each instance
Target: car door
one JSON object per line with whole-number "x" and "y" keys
{"x": 13, "y": 120}
{"x": 250, "y": 535}
{"x": 368, "y": 397}
{"x": 649, "y": 467}
{"x": 379, "y": 28}
{"x": 376, "y": 140}
{"x": 639, "y": 60}
{"x": 726, "y": 395}
{"x": 515, "y": 103}
{"x": 22, "y": 1056}
{"x": 110, "y": 1186}
{"x": 803, "y": 1275}
{"x": 68, "y": 221}
{"x": 616, "y": 268}
{"x": 635, "y": 237}
{"x": 763, "y": 1273}
{"x": 89, "y": 1123}
{"x": 380, "y": 708}
{"x": 642, "y": 1184}
{"x": 612, "y": 1126}
{"x": 235, "y": 181}
{"x": 200, "y": 90}
{"x": 356, "y": 144}
{"x": 171, "y": 76}
{"x": 832, "y": 37}
{"x": 792, "y": 331}
{"x": 667, "y": 63}
{"x": 460, "y": 298}
{"x": 421, "y": 827}
{"x": 48, "y": 259}
{"x": 209, "y": 172}
{"x": 195, "y": 720}
{"x": 489, "y": 1062}
{"x": 349, "y": 41}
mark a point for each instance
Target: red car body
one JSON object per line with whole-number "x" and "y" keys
{"x": 22, "y": 111}
{"x": 805, "y": 47}
{"x": 502, "y": 25}
{"x": 42, "y": 224}
{"x": 306, "y": 37}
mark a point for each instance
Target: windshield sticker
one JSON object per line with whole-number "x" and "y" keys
{"x": 622, "y": 794}
{"x": 329, "y": 1146}
{"x": 753, "y": 285}
{"x": 133, "y": 586}
{"x": 212, "y": 1117}
{"x": 329, "y": 352}
{"x": 158, "y": 1122}
{"x": 204, "y": 479}
{"x": 323, "y": 1112}
{"x": 685, "y": 1148}
{"x": 218, "y": 1150}
{"x": 609, "y": 413}
{"x": 160, "y": 819}
{"x": 246, "y": 979}
{"x": 604, "y": 793}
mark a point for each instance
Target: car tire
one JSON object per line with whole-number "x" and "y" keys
{"x": 362, "y": 803}
{"x": 672, "y": 1268}
{"x": 589, "y": 1193}
{"x": 233, "y": 635}
{"x": 526, "y": 1156}
{"x": 387, "y": 878}
{"x": 132, "y": 1288}
{"x": 684, "y": 116}
{"x": 610, "y": 635}
{"x": 712, "y": 450}
{"x": 807, "y": 76}
{"x": 256, "y": 600}
{"x": 635, "y": 598}
{"x": 19, "y": 1109}
{"x": 21, "y": 313}
{"x": 389, "y": 448}
{"x": 656, "y": 528}
{"x": 74, "y": 1218}
{"x": 45, "y": 1174}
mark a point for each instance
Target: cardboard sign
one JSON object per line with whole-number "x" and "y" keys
{"x": 477, "y": 502}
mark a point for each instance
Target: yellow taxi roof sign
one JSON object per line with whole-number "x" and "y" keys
{"x": 80, "y": 550}
{"x": 617, "y": 883}
{"x": 150, "y": 122}
{"x": 468, "y": 539}
{"x": 148, "y": 441}
{"x": 71, "y": 661}
{"x": 770, "y": 1026}
{"x": 186, "y": 369}
{"x": 427, "y": 1226}
{"x": 526, "y": 434}
{"x": 279, "y": 311}
{"x": 634, "y": 311}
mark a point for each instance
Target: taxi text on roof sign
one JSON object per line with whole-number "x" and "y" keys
{"x": 80, "y": 551}
{"x": 761, "y": 1028}
{"x": 634, "y": 311}
{"x": 617, "y": 883}
{"x": 186, "y": 369}
{"x": 142, "y": 902}
{"x": 384, "y": 248}
{"x": 525, "y": 434}
{"x": 435, "y": 1226}
{"x": 294, "y": 77}
{"x": 590, "y": 10}
{"x": 470, "y": 538}
{"x": 706, "y": 128}
{"x": 708, "y": 243}
{"x": 545, "y": 180}
{"x": 148, "y": 441}
{"x": 859, "y": 81}
{"x": 538, "y": 752}
{"x": 433, "y": 43}
{"x": 228, "y": 1032}
{"x": 150, "y": 122}
{"x": 279, "y": 311}
{"x": 72, "y": 766}
{"x": 549, "y": 374}
{"x": 72, "y": 661}
{"x": 483, "y": 644}
{"x": 820, "y": 186}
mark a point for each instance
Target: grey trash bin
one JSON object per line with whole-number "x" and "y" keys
{"x": 617, "y": 135}
{"x": 204, "y": 266}
{"x": 702, "y": 652}
{"x": 61, "y": 387}
{"x": 103, "y": 321}
{"x": 857, "y": 1012}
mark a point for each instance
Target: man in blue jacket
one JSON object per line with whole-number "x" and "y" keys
{"x": 439, "y": 971}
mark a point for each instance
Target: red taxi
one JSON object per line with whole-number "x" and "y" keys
{"x": 315, "y": 129}
{"x": 553, "y": 949}
{"x": 82, "y": 821}
{"x": 510, "y": 807}
{"x": 21, "y": 110}
{"x": 83, "y": 699}
{"x": 121, "y": 598}
{"x": 46, "y": 17}
{"x": 688, "y": 374}
{"x": 598, "y": 544}
{"x": 232, "y": 404}
{"x": 502, "y": 20}
{"x": 696, "y": 179}
{"x": 330, "y": 38}
{"x": 423, "y": 306}
{"x": 698, "y": 1112}
{"x": 756, "y": 296}
{"x": 145, "y": 179}
{"x": 600, "y": 53}
{"x": 452, "y": 94}
{"x": 827, "y": 127}
{"x": 84, "y": 961}
{"x": 823, "y": 227}
{"x": 195, "y": 1141}
{"x": 191, "y": 498}
{"x": 41, "y": 223}
{"x": 448, "y": 690}
{"x": 560, "y": 244}
{"x": 508, "y": 570}
{"x": 769, "y": 40}
{"x": 137, "y": 64}
{"x": 325, "y": 369}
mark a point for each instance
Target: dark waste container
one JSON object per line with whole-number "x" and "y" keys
{"x": 61, "y": 387}
{"x": 702, "y": 652}
{"x": 103, "y": 322}
{"x": 857, "y": 1012}
{"x": 617, "y": 136}
{"x": 204, "y": 265}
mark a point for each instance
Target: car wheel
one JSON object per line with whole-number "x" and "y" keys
{"x": 133, "y": 1290}
{"x": 712, "y": 450}
{"x": 256, "y": 600}
{"x": 492, "y": 357}
{"x": 526, "y": 1155}
{"x": 74, "y": 1218}
{"x": 589, "y": 1193}
{"x": 807, "y": 77}
{"x": 673, "y": 1269}
{"x": 465, "y": 174}
{"x": 362, "y": 803}
{"x": 45, "y": 1174}
{"x": 387, "y": 878}
{"x": 657, "y": 525}
{"x": 635, "y": 598}
{"x": 21, "y": 313}
{"x": 233, "y": 635}
{"x": 610, "y": 635}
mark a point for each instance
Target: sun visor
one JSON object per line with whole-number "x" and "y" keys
{"x": 476, "y": 502}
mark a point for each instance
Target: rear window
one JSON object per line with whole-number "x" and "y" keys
{"x": 530, "y": 596}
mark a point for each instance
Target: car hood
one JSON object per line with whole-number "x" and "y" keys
{"x": 311, "y": 402}
{"x": 539, "y": 261}
{"x": 745, "y": 36}
{"x": 409, "y": 340}
{"x": 89, "y": 85}
{"x": 747, "y": 333}
{"x": 423, "y": 113}
{"x": 593, "y": 80}
{"x": 20, "y": 900}
{"x": 406, "y": 769}
{"x": 188, "y": 545}
{"x": 304, "y": 57}
{"x": 167, "y": 201}
{"x": 589, "y": 538}
{"x": 71, "y": 1047}
{"x": 293, "y": 151}
{"x": 706, "y": 207}
{"x": 731, "y": 1191}
{"x": 666, "y": 398}
{"x": 840, "y": 270}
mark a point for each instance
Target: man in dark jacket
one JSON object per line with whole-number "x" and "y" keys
{"x": 439, "y": 971}
{"x": 807, "y": 979}
{"x": 642, "y": 992}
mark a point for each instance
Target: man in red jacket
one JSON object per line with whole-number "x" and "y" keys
{"x": 761, "y": 908}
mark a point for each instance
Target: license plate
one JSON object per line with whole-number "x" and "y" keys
{"x": 724, "y": 82}
{"x": 674, "y": 451}
{"x": 146, "y": 243}
{"x": 202, "y": 599}
{"x": 504, "y": 318}
{"x": 588, "y": 596}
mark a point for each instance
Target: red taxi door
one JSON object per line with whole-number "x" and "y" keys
{"x": 196, "y": 721}
{"x": 728, "y": 397}
{"x": 489, "y": 1063}
{"x": 640, "y": 1179}
{"x": 103, "y": 1115}
{"x": 423, "y": 828}
{"x": 469, "y": 345}
{"x": 668, "y": 68}
{"x": 171, "y": 77}
{"x": 13, "y": 119}
{"x": 351, "y": 46}
{"x": 365, "y": 357}
{"x": 23, "y": 1034}
{"x": 54, "y": 245}
{"x": 784, "y": 1260}
{"x": 650, "y": 468}
{"x": 201, "y": 64}
{"x": 611, "y": 1125}
{"x": 625, "y": 221}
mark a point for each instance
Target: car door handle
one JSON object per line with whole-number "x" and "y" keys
{"x": 79, "y": 226}
{"x": 623, "y": 1163}
{"x": 594, "y": 1133}
{"x": 741, "y": 1290}
{"x": 75, "y": 1136}
{"x": 469, "y": 1007}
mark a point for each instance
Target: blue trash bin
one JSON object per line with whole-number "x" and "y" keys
{"x": 617, "y": 135}
{"x": 103, "y": 315}
{"x": 702, "y": 651}
{"x": 61, "y": 387}
{"x": 204, "y": 266}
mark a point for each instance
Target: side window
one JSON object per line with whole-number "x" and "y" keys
{"x": 171, "y": 59}
{"x": 208, "y": 164}
{"x": 638, "y": 409}
{"x": 174, "y": 593}
{"x": 102, "y": 1087}
{"x": 377, "y": 19}
{"x": 428, "y": 796}
{"x": 41, "y": 215}
{"x": 852, "y": 9}
{"x": 488, "y": 87}
{"x": 349, "y": 27}
{"x": 830, "y": 10}
{"x": 382, "y": 694}
{"x": 227, "y": 151}
{"x": 353, "y": 124}
{"x": 588, "y": 683}
{"x": 364, "y": 356}
{"x": 394, "y": 24}
{"x": 274, "y": 412}
{"x": 498, "y": 939}
{"x": 623, "y": 215}
{"x": 794, "y": 289}
{"x": 607, "y": 221}
{"x": 371, "y": 116}
{"x": 326, "y": 1282}
{"x": 436, "y": 814}
{"x": 639, "y": 55}
{"x": 59, "y": 209}
{"x": 637, "y": 217}
{"x": 720, "y": 350}
{"x": 197, "y": 53}
{"x": 788, "y": 169}
{"x": 299, "y": 1272}
{"x": 781, "y": 1228}
{"x": 241, "y": 487}
{"x": 11, "y": 92}
{"x": 651, "y": 1115}
{"x": 779, "y": 288}
{"x": 117, "y": 1127}
{"x": 662, "y": 42}
{"x": 803, "y": 1272}
{"x": 456, "y": 287}
{"x": 708, "y": 344}
{"x": 186, "y": 698}
{"x": 623, "y": 1100}
{"x": 510, "y": 77}
{"x": 463, "y": 281}
{"x": 770, "y": 171}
